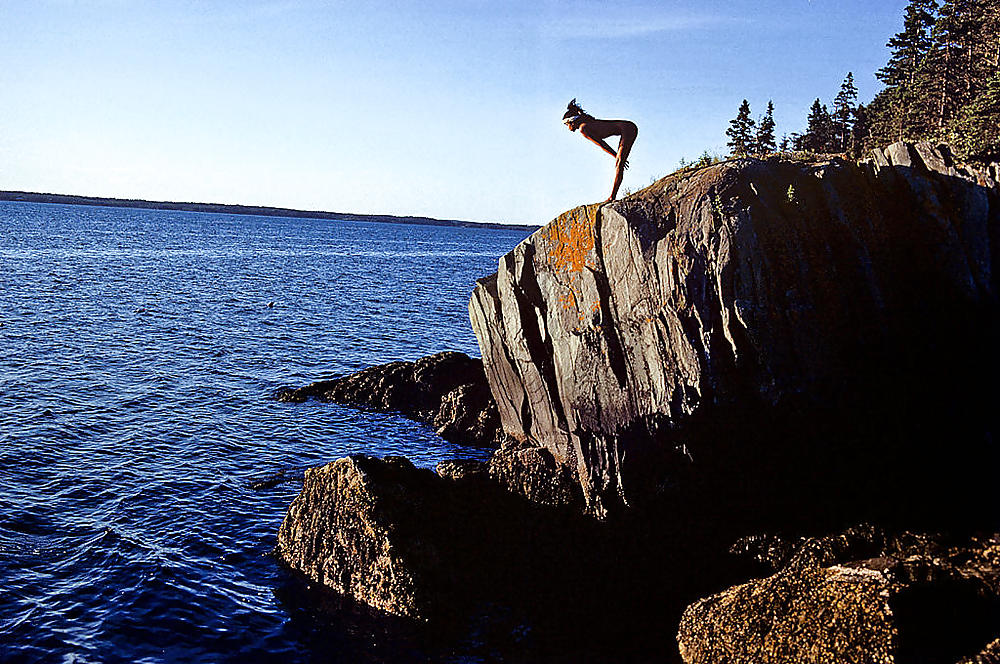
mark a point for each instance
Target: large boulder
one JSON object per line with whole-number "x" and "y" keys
{"x": 740, "y": 293}
{"x": 413, "y": 543}
{"x": 915, "y": 599}
{"x": 380, "y": 531}
{"x": 446, "y": 390}
{"x": 499, "y": 538}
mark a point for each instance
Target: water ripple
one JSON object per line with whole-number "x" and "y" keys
{"x": 143, "y": 468}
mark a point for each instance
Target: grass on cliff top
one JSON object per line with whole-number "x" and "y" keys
{"x": 712, "y": 158}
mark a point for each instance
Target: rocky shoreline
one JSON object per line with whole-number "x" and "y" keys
{"x": 780, "y": 346}
{"x": 447, "y": 390}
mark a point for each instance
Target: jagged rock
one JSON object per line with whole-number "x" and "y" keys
{"x": 468, "y": 414}
{"x": 533, "y": 473}
{"x": 757, "y": 328}
{"x": 370, "y": 529}
{"x": 741, "y": 289}
{"x": 447, "y": 390}
{"x": 863, "y": 541}
{"x": 421, "y": 545}
{"x": 918, "y": 600}
{"x": 426, "y": 546}
{"x": 988, "y": 655}
{"x": 462, "y": 470}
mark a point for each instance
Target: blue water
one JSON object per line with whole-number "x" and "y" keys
{"x": 138, "y": 353}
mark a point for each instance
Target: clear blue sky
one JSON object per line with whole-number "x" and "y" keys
{"x": 445, "y": 109}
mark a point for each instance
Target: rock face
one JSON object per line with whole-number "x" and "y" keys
{"x": 425, "y": 546}
{"x": 916, "y": 599}
{"x": 447, "y": 390}
{"x": 751, "y": 287}
{"x": 371, "y": 529}
{"x": 533, "y": 473}
{"x": 420, "y": 545}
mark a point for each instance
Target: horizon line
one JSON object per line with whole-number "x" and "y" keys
{"x": 243, "y": 209}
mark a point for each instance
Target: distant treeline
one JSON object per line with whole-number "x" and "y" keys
{"x": 30, "y": 197}
{"x": 942, "y": 84}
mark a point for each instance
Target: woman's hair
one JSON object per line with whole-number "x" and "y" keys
{"x": 573, "y": 109}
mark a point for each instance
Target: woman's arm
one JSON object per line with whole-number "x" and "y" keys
{"x": 598, "y": 142}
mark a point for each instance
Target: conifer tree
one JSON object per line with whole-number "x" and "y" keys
{"x": 977, "y": 127}
{"x": 819, "y": 136}
{"x": 844, "y": 107}
{"x": 860, "y": 131}
{"x": 910, "y": 46}
{"x": 941, "y": 66}
{"x": 910, "y": 49}
{"x": 942, "y": 83}
{"x": 741, "y": 132}
{"x": 764, "y": 141}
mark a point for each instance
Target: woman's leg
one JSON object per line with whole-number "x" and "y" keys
{"x": 624, "y": 148}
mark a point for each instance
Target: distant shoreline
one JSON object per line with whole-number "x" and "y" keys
{"x": 257, "y": 210}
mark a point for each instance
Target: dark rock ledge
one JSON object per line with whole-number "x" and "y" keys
{"x": 447, "y": 390}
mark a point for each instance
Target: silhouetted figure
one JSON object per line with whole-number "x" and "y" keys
{"x": 597, "y": 130}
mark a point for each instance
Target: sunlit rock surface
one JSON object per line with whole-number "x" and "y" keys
{"x": 770, "y": 345}
{"x": 372, "y": 529}
{"x": 915, "y": 599}
{"x": 750, "y": 282}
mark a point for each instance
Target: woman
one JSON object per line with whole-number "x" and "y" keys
{"x": 597, "y": 130}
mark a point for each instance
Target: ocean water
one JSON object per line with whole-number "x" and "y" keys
{"x": 138, "y": 354}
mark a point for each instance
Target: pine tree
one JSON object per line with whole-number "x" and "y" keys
{"x": 910, "y": 50}
{"x": 860, "y": 131}
{"x": 785, "y": 143}
{"x": 910, "y": 46}
{"x": 844, "y": 107}
{"x": 740, "y": 132}
{"x": 819, "y": 136}
{"x": 940, "y": 77}
{"x": 885, "y": 116}
{"x": 943, "y": 67}
{"x": 764, "y": 142}
{"x": 977, "y": 128}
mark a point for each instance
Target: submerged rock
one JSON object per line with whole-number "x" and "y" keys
{"x": 918, "y": 599}
{"x": 447, "y": 390}
{"x": 761, "y": 288}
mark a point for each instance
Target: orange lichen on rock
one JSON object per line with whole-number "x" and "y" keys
{"x": 570, "y": 238}
{"x": 568, "y": 300}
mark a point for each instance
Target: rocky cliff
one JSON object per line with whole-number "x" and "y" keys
{"x": 745, "y": 293}
{"x": 782, "y": 346}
